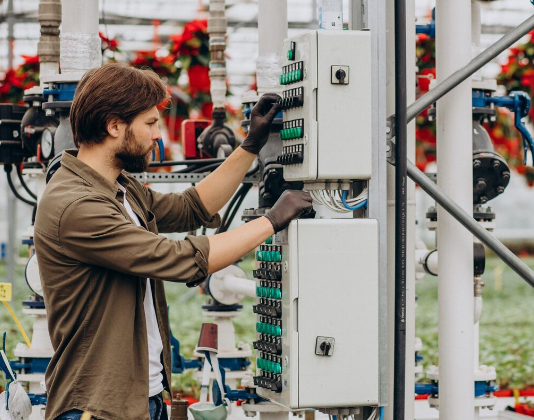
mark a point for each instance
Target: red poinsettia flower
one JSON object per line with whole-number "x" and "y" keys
{"x": 108, "y": 43}
{"x": 199, "y": 80}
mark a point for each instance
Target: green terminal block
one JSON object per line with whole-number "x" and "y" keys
{"x": 291, "y": 133}
{"x": 290, "y": 55}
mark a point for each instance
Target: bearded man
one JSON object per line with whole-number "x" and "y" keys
{"x": 101, "y": 260}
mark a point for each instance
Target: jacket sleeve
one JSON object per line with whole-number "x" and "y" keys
{"x": 94, "y": 231}
{"x": 180, "y": 212}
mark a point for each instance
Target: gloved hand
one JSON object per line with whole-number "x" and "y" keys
{"x": 290, "y": 205}
{"x": 261, "y": 117}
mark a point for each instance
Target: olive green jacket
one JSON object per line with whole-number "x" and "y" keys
{"x": 94, "y": 262}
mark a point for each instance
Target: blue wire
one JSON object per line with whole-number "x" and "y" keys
{"x": 334, "y": 417}
{"x": 382, "y": 408}
{"x": 356, "y": 207}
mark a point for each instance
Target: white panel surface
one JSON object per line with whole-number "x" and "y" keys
{"x": 337, "y": 117}
{"x": 330, "y": 289}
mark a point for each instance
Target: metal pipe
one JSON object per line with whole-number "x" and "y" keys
{"x": 80, "y": 46}
{"x": 455, "y": 172}
{"x": 217, "y": 25}
{"x": 11, "y": 200}
{"x": 401, "y": 180}
{"x": 272, "y": 30}
{"x": 48, "y": 46}
{"x": 460, "y": 75}
{"x": 507, "y": 256}
{"x": 356, "y": 15}
{"x": 239, "y": 285}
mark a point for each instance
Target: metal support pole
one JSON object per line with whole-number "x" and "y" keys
{"x": 467, "y": 221}
{"x": 400, "y": 211}
{"x": 11, "y": 200}
{"x": 80, "y": 46}
{"x": 455, "y": 244}
{"x": 272, "y": 30}
{"x": 357, "y": 15}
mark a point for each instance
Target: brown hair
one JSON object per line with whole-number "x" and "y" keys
{"x": 112, "y": 91}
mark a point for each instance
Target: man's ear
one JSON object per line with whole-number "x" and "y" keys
{"x": 115, "y": 127}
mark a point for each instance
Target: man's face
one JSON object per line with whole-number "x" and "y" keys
{"x": 135, "y": 151}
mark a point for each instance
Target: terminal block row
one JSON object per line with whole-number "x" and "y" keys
{"x": 292, "y": 73}
{"x": 292, "y": 130}
{"x": 293, "y": 98}
{"x": 268, "y": 307}
{"x": 269, "y": 344}
{"x": 269, "y": 316}
{"x": 269, "y": 253}
{"x": 291, "y": 155}
{"x": 269, "y": 363}
{"x": 268, "y": 271}
{"x": 269, "y": 381}
{"x": 268, "y": 292}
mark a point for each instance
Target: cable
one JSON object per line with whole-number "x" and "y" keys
{"x": 228, "y": 209}
{"x": 337, "y": 200}
{"x": 381, "y": 413}
{"x": 8, "y": 170}
{"x": 23, "y": 183}
{"x": 237, "y": 205}
{"x": 356, "y": 207}
{"x": 186, "y": 162}
{"x": 373, "y": 414}
{"x": 206, "y": 168}
{"x": 19, "y": 325}
{"x": 233, "y": 206}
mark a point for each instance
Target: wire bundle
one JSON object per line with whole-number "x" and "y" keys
{"x": 337, "y": 200}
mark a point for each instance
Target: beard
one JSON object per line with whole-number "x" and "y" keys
{"x": 132, "y": 156}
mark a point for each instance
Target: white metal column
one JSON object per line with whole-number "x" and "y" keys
{"x": 272, "y": 30}
{"x": 455, "y": 243}
{"x": 79, "y": 40}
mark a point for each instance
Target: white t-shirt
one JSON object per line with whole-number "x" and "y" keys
{"x": 155, "y": 346}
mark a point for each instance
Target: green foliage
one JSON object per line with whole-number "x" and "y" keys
{"x": 506, "y": 326}
{"x": 506, "y": 332}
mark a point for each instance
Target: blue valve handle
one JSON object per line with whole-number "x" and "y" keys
{"x": 161, "y": 151}
{"x": 519, "y": 103}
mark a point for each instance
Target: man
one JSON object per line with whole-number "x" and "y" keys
{"x": 101, "y": 260}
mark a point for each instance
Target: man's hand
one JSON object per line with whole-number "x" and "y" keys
{"x": 261, "y": 118}
{"x": 289, "y": 206}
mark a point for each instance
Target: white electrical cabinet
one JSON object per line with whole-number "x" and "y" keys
{"x": 327, "y": 133}
{"x": 317, "y": 315}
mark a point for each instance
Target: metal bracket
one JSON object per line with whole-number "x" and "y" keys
{"x": 390, "y": 151}
{"x": 167, "y": 178}
{"x": 390, "y": 127}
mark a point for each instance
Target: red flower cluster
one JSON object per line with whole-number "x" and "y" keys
{"x": 108, "y": 43}
{"x": 16, "y": 81}
{"x": 189, "y": 42}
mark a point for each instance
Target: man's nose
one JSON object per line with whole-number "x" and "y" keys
{"x": 156, "y": 134}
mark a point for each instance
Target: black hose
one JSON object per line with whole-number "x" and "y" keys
{"x": 8, "y": 169}
{"x": 245, "y": 189}
{"x": 229, "y": 208}
{"x": 25, "y": 186}
{"x": 186, "y": 162}
{"x": 399, "y": 392}
{"x": 206, "y": 168}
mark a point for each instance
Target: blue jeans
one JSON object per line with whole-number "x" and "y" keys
{"x": 156, "y": 407}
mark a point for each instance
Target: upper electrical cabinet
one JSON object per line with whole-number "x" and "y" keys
{"x": 327, "y": 106}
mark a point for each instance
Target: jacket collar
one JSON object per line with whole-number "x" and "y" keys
{"x": 89, "y": 175}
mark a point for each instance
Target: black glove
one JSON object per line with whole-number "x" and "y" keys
{"x": 290, "y": 205}
{"x": 261, "y": 118}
